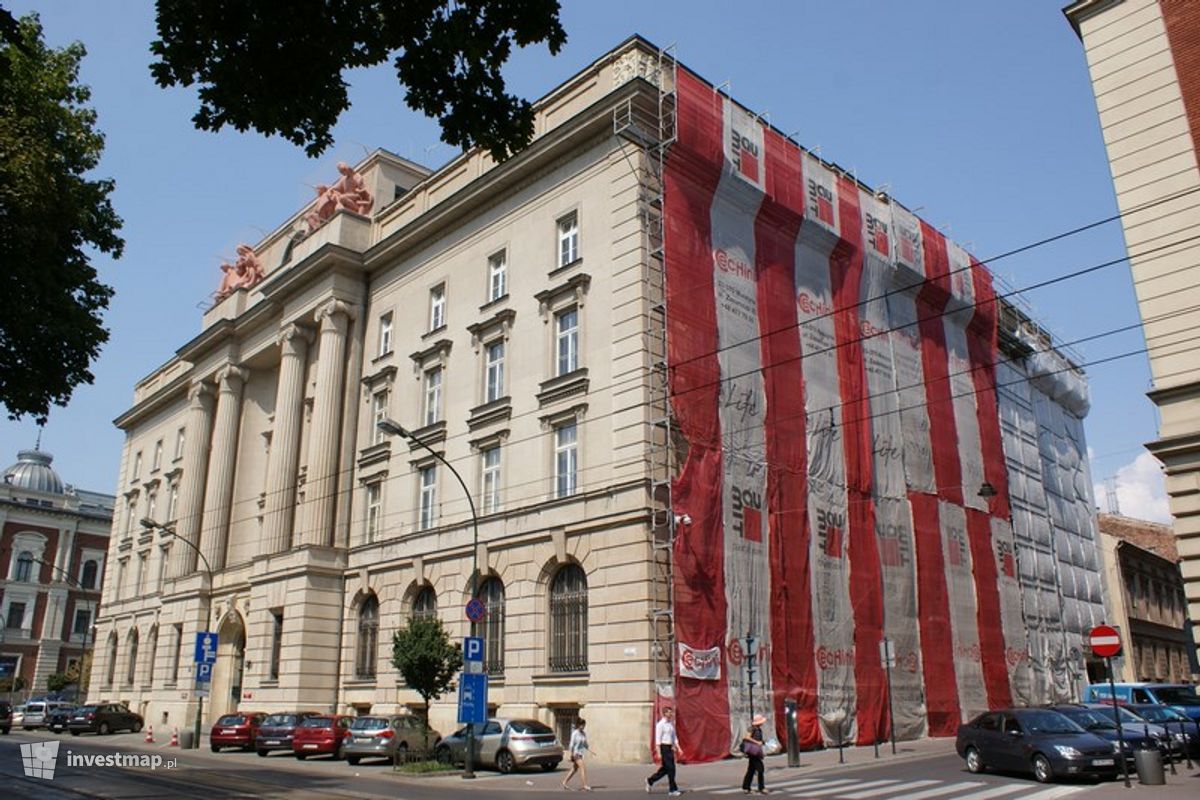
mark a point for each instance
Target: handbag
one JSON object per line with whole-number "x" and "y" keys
{"x": 752, "y": 748}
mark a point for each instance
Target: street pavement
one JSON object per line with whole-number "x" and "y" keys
{"x": 921, "y": 770}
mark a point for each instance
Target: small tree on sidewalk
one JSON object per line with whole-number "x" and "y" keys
{"x": 426, "y": 659}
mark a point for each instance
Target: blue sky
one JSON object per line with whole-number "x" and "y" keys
{"x": 978, "y": 114}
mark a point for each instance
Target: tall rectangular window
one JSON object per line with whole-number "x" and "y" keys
{"x": 172, "y": 502}
{"x": 566, "y": 340}
{"x": 568, "y": 239}
{"x": 428, "y": 497}
{"x": 164, "y": 555}
{"x": 178, "y": 626}
{"x": 437, "y": 307}
{"x": 497, "y": 276}
{"x": 276, "y": 643}
{"x": 130, "y": 516}
{"x": 566, "y": 460}
{"x": 140, "y": 574}
{"x": 494, "y": 388}
{"x": 158, "y": 453}
{"x": 16, "y": 616}
{"x": 137, "y": 467}
{"x": 433, "y": 395}
{"x": 379, "y": 410}
{"x": 385, "y": 334}
{"x": 122, "y": 568}
{"x": 83, "y": 621}
{"x": 374, "y": 510}
{"x": 490, "y": 472}
{"x": 152, "y": 505}
{"x": 180, "y": 439}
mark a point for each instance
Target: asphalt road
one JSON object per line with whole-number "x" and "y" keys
{"x": 205, "y": 776}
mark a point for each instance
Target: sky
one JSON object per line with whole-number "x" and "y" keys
{"x": 977, "y": 115}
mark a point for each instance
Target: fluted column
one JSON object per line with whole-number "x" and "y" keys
{"x": 195, "y": 474}
{"x": 218, "y": 496}
{"x": 325, "y": 434}
{"x": 283, "y": 463}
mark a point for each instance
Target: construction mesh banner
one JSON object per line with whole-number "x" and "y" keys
{"x": 835, "y": 373}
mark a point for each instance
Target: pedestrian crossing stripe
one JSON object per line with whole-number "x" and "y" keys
{"x": 856, "y": 789}
{"x": 887, "y": 790}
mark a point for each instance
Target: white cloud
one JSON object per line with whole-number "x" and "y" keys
{"x": 1141, "y": 492}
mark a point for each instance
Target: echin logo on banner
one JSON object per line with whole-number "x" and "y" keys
{"x": 40, "y": 759}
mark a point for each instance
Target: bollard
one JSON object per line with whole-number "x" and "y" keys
{"x": 1148, "y": 762}
{"x": 790, "y": 713}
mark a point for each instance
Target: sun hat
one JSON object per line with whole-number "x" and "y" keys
{"x": 759, "y": 719}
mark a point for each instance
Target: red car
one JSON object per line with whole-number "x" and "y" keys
{"x": 324, "y": 735}
{"x": 236, "y": 730}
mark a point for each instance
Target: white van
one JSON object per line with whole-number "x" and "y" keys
{"x": 37, "y": 713}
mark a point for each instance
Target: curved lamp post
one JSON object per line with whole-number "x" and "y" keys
{"x": 393, "y": 428}
{"x": 149, "y": 523}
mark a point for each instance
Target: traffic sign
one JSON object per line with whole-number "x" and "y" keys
{"x": 204, "y": 673}
{"x": 472, "y": 698}
{"x": 1105, "y": 641}
{"x": 206, "y": 647}
{"x": 472, "y": 650}
{"x": 476, "y": 610}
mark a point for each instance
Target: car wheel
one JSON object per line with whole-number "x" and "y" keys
{"x": 263, "y": 753}
{"x": 216, "y": 748}
{"x": 104, "y": 730}
{"x": 339, "y": 752}
{"x": 550, "y": 767}
{"x": 4, "y": 731}
{"x": 73, "y": 733}
{"x": 137, "y": 726}
{"x": 442, "y": 754}
{"x": 352, "y": 760}
{"x": 974, "y": 761}
{"x": 301, "y": 756}
{"x": 401, "y": 754}
{"x": 504, "y": 762}
{"x": 1041, "y": 769}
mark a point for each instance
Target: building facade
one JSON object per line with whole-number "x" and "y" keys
{"x": 53, "y": 549}
{"x": 1144, "y": 60}
{"x": 541, "y": 324}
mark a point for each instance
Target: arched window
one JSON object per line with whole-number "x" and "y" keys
{"x": 151, "y": 650}
{"x": 112, "y": 658}
{"x": 88, "y": 580}
{"x": 492, "y": 626}
{"x": 131, "y": 646}
{"x": 368, "y": 637}
{"x": 568, "y": 620}
{"x": 24, "y": 571}
{"x": 425, "y": 604}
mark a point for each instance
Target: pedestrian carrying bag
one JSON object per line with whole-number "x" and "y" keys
{"x": 752, "y": 748}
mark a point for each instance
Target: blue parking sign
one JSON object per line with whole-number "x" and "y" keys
{"x": 204, "y": 673}
{"x": 472, "y": 648}
{"x": 472, "y": 697}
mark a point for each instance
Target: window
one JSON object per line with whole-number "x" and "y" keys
{"x": 122, "y": 567}
{"x": 130, "y": 516}
{"x": 180, "y": 438}
{"x": 164, "y": 557}
{"x": 172, "y": 502}
{"x": 143, "y": 560}
{"x": 374, "y": 510}
{"x": 158, "y": 453}
{"x": 88, "y": 579}
{"x": 566, "y": 460}
{"x": 566, "y": 340}
{"x": 490, "y": 463}
{"x": 433, "y": 395}
{"x": 385, "y": 334}
{"x": 137, "y": 466}
{"x": 131, "y": 647}
{"x": 16, "y": 616}
{"x": 568, "y": 620}
{"x": 112, "y": 659}
{"x": 497, "y": 276}
{"x": 152, "y": 505}
{"x": 425, "y": 604}
{"x": 495, "y": 371}
{"x": 151, "y": 648}
{"x": 24, "y": 571}
{"x": 437, "y": 307}
{"x": 276, "y": 643}
{"x": 178, "y": 652}
{"x": 492, "y": 627}
{"x": 368, "y": 638}
{"x": 379, "y": 411}
{"x": 568, "y": 239}
{"x": 428, "y": 497}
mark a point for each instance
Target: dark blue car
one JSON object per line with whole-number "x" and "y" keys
{"x": 1035, "y": 740}
{"x": 1099, "y": 721}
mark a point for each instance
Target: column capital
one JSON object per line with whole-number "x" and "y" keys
{"x": 230, "y": 376}
{"x": 293, "y": 338}
{"x": 200, "y": 392}
{"x": 333, "y": 308}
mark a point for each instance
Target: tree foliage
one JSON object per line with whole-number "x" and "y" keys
{"x": 276, "y": 65}
{"x": 57, "y": 681}
{"x": 52, "y": 216}
{"x": 426, "y": 658}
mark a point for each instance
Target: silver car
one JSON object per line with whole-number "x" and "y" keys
{"x": 505, "y": 744}
{"x": 37, "y": 713}
{"x": 390, "y": 737}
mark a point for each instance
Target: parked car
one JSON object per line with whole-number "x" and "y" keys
{"x": 6, "y": 715}
{"x": 103, "y": 718}
{"x": 388, "y": 737}
{"x": 58, "y": 719}
{"x": 323, "y": 735}
{"x": 235, "y": 730}
{"x": 18, "y": 715}
{"x": 1035, "y": 740}
{"x": 37, "y": 713}
{"x": 1095, "y": 721}
{"x": 505, "y": 745}
{"x": 277, "y": 730}
{"x": 1178, "y": 696}
{"x": 1184, "y": 731}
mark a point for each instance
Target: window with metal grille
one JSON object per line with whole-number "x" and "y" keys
{"x": 492, "y": 626}
{"x": 564, "y": 723}
{"x": 368, "y": 637}
{"x": 425, "y": 604}
{"x": 568, "y": 620}
{"x": 276, "y": 643}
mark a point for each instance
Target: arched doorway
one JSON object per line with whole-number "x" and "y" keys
{"x": 227, "y": 672}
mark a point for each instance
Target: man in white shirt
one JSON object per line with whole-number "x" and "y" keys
{"x": 668, "y": 747}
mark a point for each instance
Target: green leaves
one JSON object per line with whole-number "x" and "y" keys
{"x": 276, "y": 65}
{"x": 425, "y": 657}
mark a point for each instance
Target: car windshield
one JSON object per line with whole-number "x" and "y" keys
{"x": 1178, "y": 695}
{"x": 86, "y": 709}
{"x": 280, "y": 719}
{"x": 317, "y": 722}
{"x": 35, "y": 708}
{"x": 529, "y": 726}
{"x": 369, "y": 723}
{"x": 1089, "y": 720}
{"x": 231, "y": 719}
{"x": 1048, "y": 722}
{"x": 1160, "y": 714}
{"x": 1127, "y": 716}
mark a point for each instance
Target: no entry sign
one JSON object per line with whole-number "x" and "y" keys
{"x": 1105, "y": 641}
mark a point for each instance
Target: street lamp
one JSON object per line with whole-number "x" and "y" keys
{"x": 394, "y": 428}
{"x": 149, "y": 523}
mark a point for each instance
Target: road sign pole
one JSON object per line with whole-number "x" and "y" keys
{"x": 1112, "y": 689}
{"x": 891, "y": 715}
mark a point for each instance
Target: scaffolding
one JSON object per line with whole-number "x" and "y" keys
{"x": 651, "y": 129}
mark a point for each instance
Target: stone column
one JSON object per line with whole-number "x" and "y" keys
{"x": 191, "y": 485}
{"x": 283, "y": 463}
{"x": 325, "y": 434}
{"x": 218, "y": 497}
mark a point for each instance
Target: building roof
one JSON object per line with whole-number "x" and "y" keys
{"x": 34, "y": 473}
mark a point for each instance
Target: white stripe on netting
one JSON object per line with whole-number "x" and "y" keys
{"x": 839, "y": 789}
{"x": 995, "y": 791}
{"x": 1050, "y": 794}
{"x": 904, "y": 787}
{"x": 938, "y": 791}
